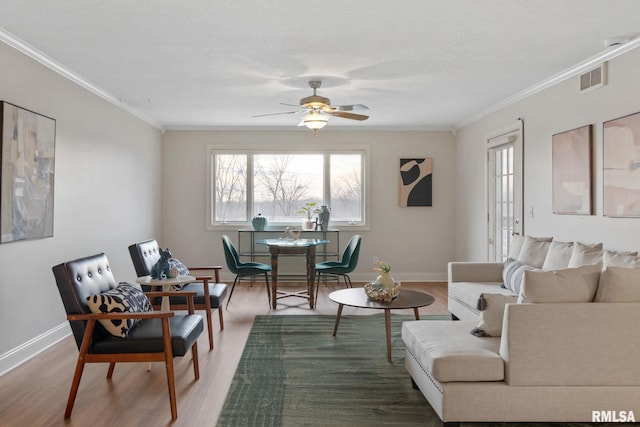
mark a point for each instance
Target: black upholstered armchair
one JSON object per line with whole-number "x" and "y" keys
{"x": 209, "y": 296}
{"x": 141, "y": 336}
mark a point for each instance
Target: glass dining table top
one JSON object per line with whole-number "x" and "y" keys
{"x": 292, "y": 242}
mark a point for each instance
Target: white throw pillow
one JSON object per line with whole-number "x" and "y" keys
{"x": 558, "y": 255}
{"x": 567, "y": 285}
{"x": 516, "y": 246}
{"x": 491, "y": 308}
{"x": 534, "y": 251}
{"x": 585, "y": 254}
{"x": 620, "y": 259}
{"x": 619, "y": 284}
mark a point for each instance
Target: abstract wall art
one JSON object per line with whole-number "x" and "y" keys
{"x": 416, "y": 182}
{"x": 27, "y": 173}
{"x": 621, "y": 167}
{"x": 572, "y": 171}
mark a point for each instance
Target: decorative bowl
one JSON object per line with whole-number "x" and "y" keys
{"x": 377, "y": 292}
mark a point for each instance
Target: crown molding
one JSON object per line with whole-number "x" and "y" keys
{"x": 33, "y": 53}
{"x": 553, "y": 80}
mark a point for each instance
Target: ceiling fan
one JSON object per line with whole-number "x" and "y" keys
{"x": 317, "y": 110}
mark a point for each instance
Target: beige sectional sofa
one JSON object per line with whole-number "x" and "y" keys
{"x": 565, "y": 347}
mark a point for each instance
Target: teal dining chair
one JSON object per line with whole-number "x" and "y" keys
{"x": 243, "y": 269}
{"x": 342, "y": 268}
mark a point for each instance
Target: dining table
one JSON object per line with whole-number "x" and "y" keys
{"x": 284, "y": 246}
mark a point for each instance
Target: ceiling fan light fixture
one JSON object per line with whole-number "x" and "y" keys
{"x": 315, "y": 120}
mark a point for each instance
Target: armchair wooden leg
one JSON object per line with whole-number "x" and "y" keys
{"x": 210, "y": 327}
{"x": 196, "y": 363}
{"x": 221, "y": 318}
{"x": 168, "y": 361}
{"x": 112, "y": 366}
{"x": 75, "y": 384}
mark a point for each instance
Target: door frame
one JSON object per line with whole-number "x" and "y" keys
{"x": 513, "y": 133}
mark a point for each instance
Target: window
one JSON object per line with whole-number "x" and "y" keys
{"x": 277, "y": 182}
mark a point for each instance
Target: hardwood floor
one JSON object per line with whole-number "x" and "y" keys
{"x": 35, "y": 393}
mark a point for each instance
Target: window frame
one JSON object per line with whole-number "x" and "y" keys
{"x": 252, "y": 149}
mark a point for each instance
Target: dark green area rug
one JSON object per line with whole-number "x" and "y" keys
{"x": 293, "y": 372}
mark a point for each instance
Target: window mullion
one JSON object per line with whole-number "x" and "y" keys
{"x": 249, "y": 190}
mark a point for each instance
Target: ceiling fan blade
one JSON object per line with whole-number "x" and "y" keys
{"x": 351, "y": 116}
{"x": 353, "y": 107}
{"x": 275, "y": 114}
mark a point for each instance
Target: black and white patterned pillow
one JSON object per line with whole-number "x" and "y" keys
{"x": 513, "y": 273}
{"x": 124, "y": 298}
{"x": 182, "y": 271}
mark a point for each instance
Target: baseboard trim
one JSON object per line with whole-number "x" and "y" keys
{"x": 17, "y": 356}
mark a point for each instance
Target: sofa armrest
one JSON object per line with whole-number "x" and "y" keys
{"x": 475, "y": 271}
{"x": 576, "y": 344}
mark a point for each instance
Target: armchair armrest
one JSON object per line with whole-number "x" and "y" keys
{"x": 475, "y": 271}
{"x": 216, "y": 272}
{"x": 111, "y": 316}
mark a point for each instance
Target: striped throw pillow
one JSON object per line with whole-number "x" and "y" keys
{"x": 513, "y": 273}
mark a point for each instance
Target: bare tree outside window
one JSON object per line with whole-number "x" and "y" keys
{"x": 230, "y": 187}
{"x": 346, "y": 187}
{"x": 284, "y": 182}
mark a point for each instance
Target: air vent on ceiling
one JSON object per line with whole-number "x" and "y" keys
{"x": 594, "y": 78}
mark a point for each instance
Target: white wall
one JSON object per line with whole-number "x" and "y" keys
{"x": 107, "y": 195}
{"x": 416, "y": 241}
{"x": 551, "y": 111}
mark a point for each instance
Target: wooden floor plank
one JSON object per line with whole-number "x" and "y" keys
{"x": 35, "y": 393}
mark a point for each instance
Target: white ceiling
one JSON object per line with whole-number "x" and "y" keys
{"x": 417, "y": 64}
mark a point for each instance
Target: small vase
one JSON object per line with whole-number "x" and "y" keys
{"x": 386, "y": 281}
{"x": 259, "y": 222}
{"x": 323, "y": 217}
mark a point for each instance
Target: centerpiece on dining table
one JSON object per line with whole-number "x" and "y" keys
{"x": 384, "y": 288}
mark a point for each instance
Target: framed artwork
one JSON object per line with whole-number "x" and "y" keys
{"x": 27, "y": 172}
{"x": 572, "y": 159}
{"x": 416, "y": 182}
{"x": 621, "y": 166}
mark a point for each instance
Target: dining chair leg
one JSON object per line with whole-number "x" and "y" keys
{"x": 347, "y": 280}
{"x": 232, "y": 289}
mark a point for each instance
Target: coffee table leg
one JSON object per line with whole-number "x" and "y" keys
{"x": 415, "y": 311}
{"x": 335, "y": 328}
{"x": 387, "y": 325}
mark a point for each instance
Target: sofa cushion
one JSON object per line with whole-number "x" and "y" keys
{"x": 124, "y": 298}
{"x": 567, "y": 285}
{"x": 534, "y": 250}
{"x": 513, "y": 273}
{"x": 447, "y": 350}
{"x": 585, "y": 254}
{"x": 619, "y": 284}
{"x": 491, "y": 307}
{"x": 558, "y": 255}
{"x": 620, "y": 259}
{"x": 515, "y": 246}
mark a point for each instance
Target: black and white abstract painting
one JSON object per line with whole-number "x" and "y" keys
{"x": 416, "y": 182}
